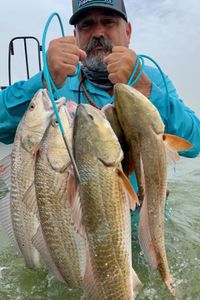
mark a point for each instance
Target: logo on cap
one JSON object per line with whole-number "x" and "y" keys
{"x": 87, "y": 2}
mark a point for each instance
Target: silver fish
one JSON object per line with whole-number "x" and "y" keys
{"x": 19, "y": 207}
{"x": 52, "y": 179}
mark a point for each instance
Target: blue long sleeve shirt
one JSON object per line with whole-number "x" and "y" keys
{"x": 178, "y": 119}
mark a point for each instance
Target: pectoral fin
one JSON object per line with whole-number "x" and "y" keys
{"x": 176, "y": 143}
{"x": 173, "y": 144}
{"x": 133, "y": 198}
{"x": 145, "y": 238}
{"x": 5, "y": 174}
{"x": 73, "y": 201}
{"x": 30, "y": 200}
{"x": 40, "y": 244}
{"x": 136, "y": 283}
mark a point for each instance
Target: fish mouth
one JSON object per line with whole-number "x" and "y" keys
{"x": 48, "y": 103}
{"x": 119, "y": 87}
{"x": 81, "y": 110}
{"x": 88, "y": 111}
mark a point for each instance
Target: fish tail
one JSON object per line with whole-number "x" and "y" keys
{"x": 172, "y": 287}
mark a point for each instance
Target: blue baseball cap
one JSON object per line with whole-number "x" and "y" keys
{"x": 81, "y": 6}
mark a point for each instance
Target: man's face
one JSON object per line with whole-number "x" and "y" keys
{"x": 97, "y": 32}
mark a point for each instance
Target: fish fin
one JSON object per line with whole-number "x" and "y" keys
{"x": 5, "y": 209}
{"x": 6, "y": 219}
{"x": 145, "y": 238}
{"x": 131, "y": 163}
{"x": 127, "y": 163}
{"x": 5, "y": 172}
{"x": 176, "y": 143}
{"x": 30, "y": 200}
{"x": 136, "y": 283}
{"x": 73, "y": 201}
{"x": 172, "y": 156}
{"x": 133, "y": 198}
{"x": 172, "y": 287}
{"x": 36, "y": 150}
{"x": 40, "y": 244}
{"x": 173, "y": 144}
{"x": 89, "y": 285}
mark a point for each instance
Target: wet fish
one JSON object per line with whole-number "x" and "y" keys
{"x": 144, "y": 132}
{"x": 111, "y": 115}
{"x": 52, "y": 173}
{"x": 104, "y": 217}
{"x": 19, "y": 207}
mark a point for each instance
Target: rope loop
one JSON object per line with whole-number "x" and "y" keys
{"x": 140, "y": 64}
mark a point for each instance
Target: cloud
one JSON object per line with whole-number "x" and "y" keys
{"x": 169, "y": 31}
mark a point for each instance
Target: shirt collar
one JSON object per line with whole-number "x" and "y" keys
{"x": 73, "y": 83}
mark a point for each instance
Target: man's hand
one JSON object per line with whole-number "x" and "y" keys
{"x": 63, "y": 57}
{"x": 120, "y": 65}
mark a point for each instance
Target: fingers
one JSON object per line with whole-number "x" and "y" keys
{"x": 63, "y": 58}
{"x": 120, "y": 64}
{"x": 116, "y": 74}
{"x": 117, "y": 51}
{"x": 82, "y": 55}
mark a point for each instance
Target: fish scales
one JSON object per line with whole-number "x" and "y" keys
{"x": 51, "y": 175}
{"x": 106, "y": 232}
{"x": 144, "y": 133}
{"x": 156, "y": 173}
{"x": 23, "y": 205}
{"x": 24, "y": 222}
{"x": 105, "y": 208}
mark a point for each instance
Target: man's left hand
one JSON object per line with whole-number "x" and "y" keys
{"x": 120, "y": 65}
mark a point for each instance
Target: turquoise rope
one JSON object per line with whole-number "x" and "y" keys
{"x": 47, "y": 76}
{"x": 141, "y": 57}
{"x": 50, "y": 84}
{"x": 134, "y": 71}
{"x": 160, "y": 70}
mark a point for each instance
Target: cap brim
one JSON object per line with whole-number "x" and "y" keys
{"x": 77, "y": 16}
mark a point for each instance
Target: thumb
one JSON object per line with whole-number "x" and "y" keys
{"x": 82, "y": 55}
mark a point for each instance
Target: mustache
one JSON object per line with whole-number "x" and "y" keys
{"x": 102, "y": 42}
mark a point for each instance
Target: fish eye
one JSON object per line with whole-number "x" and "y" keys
{"x": 91, "y": 117}
{"x": 32, "y": 106}
{"x": 54, "y": 123}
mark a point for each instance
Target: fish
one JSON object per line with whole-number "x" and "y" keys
{"x": 52, "y": 174}
{"x": 18, "y": 209}
{"x": 103, "y": 216}
{"x": 150, "y": 149}
{"x": 111, "y": 115}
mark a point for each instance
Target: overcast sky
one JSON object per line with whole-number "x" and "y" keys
{"x": 166, "y": 30}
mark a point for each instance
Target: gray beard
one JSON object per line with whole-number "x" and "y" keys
{"x": 95, "y": 70}
{"x": 95, "y": 62}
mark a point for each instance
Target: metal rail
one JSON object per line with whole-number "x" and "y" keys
{"x": 11, "y": 52}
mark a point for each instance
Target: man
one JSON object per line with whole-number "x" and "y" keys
{"x": 101, "y": 43}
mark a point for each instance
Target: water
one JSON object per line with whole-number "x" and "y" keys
{"x": 182, "y": 233}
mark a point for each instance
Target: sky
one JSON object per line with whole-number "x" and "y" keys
{"x": 166, "y": 30}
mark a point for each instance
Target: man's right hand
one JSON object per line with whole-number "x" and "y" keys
{"x": 63, "y": 57}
